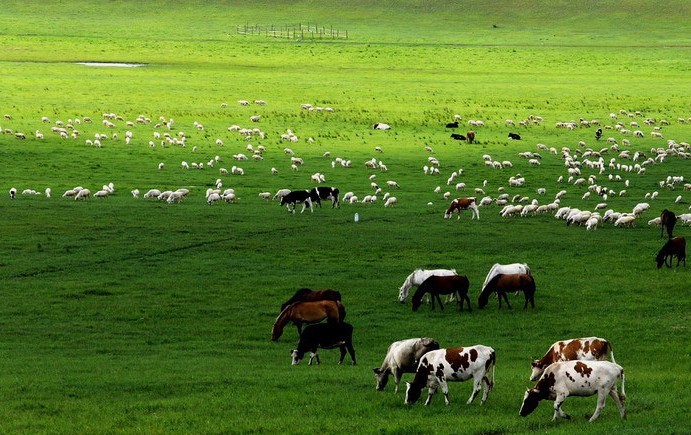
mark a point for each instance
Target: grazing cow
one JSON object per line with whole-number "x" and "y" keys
{"x": 675, "y": 247}
{"x": 381, "y": 126}
{"x": 584, "y": 349}
{"x": 402, "y": 357}
{"x": 459, "y": 204}
{"x": 598, "y": 134}
{"x": 297, "y": 196}
{"x": 438, "y": 367}
{"x": 514, "y": 136}
{"x": 667, "y": 220}
{"x": 577, "y": 378}
{"x": 456, "y": 136}
{"x": 330, "y": 193}
{"x": 471, "y": 136}
{"x": 325, "y": 336}
{"x": 452, "y": 124}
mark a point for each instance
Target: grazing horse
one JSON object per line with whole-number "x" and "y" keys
{"x": 667, "y": 220}
{"x": 307, "y": 295}
{"x": 675, "y": 247}
{"x": 459, "y": 204}
{"x": 418, "y": 277}
{"x": 505, "y": 269}
{"x": 501, "y": 284}
{"x": 307, "y": 312}
{"x": 444, "y": 285}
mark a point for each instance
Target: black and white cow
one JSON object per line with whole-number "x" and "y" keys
{"x": 295, "y": 197}
{"x": 438, "y": 367}
{"x": 514, "y": 136}
{"x": 323, "y": 193}
{"x": 577, "y": 378}
{"x": 325, "y": 336}
{"x": 402, "y": 357}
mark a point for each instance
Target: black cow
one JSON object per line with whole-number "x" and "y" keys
{"x": 457, "y": 136}
{"x": 297, "y": 196}
{"x": 675, "y": 247}
{"x": 325, "y": 336}
{"x": 452, "y": 124}
{"x": 330, "y": 193}
{"x": 514, "y": 136}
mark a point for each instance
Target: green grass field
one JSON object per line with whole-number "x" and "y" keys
{"x": 126, "y": 315}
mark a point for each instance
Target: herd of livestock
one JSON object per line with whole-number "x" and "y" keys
{"x": 574, "y": 367}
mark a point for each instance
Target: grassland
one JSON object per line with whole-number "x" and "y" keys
{"x": 124, "y": 315}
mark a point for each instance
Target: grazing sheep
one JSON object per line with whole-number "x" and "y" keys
{"x": 82, "y": 194}
{"x": 391, "y": 201}
{"x": 135, "y": 193}
{"x": 265, "y": 195}
{"x": 153, "y": 193}
{"x": 101, "y": 194}
{"x": 280, "y": 194}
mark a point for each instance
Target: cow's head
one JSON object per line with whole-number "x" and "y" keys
{"x": 412, "y": 393}
{"x": 297, "y": 356}
{"x": 531, "y": 399}
{"x": 382, "y": 377}
{"x": 537, "y": 369}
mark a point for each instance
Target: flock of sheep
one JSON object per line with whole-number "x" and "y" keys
{"x": 612, "y": 167}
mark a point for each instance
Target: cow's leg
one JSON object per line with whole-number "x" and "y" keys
{"x": 601, "y": 397}
{"x": 313, "y": 355}
{"x": 430, "y": 392}
{"x": 445, "y": 390}
{"x": 557, "y": 407}
{"x": 477, "y": 382}
{"x": 487, "y": 387}
{"x": 397, "y": 375}
{"x": 614, "y": 394}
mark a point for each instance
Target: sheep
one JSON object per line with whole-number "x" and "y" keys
{"x": 82, "y": 194}
{"x": 228, "y": 197}
{"x": 265, "y": 195}
{"x": 101, "y": 193}
{"x": 391, "y": 201}
{"x": 152, "y": 193}
{"x": 640, "y": 208}
{"x": 625, "y": 220}
{"x": 135, "y": 193}
{"x": 280, "y": 194}
{"x": 274, "y": 171}
{"x": 393, "y": 184}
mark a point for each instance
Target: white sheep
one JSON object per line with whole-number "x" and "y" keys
{"x": 393, "y": 184}
{"x": 82, "y": 194}
{"x": 135, "y": 193}
{"x": 152, "y": 193}
{"x": 391, "y": 201}
{"x": 265, "y": 195}
{"x": 281, "y": 193}
{"x": 212, "y": 198}
{"x": 101, "y": 193}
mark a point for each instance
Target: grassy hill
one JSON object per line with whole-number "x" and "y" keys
{"x": 128, "y": 315}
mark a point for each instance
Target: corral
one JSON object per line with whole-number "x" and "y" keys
{"x": 132, "y": 314}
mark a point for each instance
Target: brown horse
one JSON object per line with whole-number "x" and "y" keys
{"x": 501, "y": 284}
{"x": 308, "y": 312}
{"x": 436, "y": 285}
{"x": 307, "y": 295}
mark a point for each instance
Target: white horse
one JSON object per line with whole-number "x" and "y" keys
{"x": 418, "y": 277}
{"x": 505, "y": 269}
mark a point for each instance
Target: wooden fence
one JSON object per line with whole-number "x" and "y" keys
{"x": 295, "y": 32}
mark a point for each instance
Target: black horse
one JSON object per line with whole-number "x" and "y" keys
{"x": 667, "y": 220}
{"x": 457, "y": 285}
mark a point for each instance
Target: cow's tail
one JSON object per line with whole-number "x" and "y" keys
{"x": 622, "y": 395}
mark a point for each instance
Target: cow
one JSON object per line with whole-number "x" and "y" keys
{"x": 459, "y": 204}
{"x": 452, "y": 124}
{"x": 471, "y": 136}
{"x": 514, "y": 136}
{"x": 675, "y": 247}
{"x": 330, "y": 193}
{"x": 438, "y": 367}
{"x": 667, "y": 221}
{"x": 577, "y": 378}
{"x": 584, "y": 349}
{"x": 381, "y": 126}
{"x": 402, "y": 357}
{"x": 325, "y": 336}
{"x": 456, "y": 136}
{"x": 297, "y": 196}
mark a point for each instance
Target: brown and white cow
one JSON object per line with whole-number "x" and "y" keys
{"x": 459, "y": 204}
{"x": 586, "y": 349}
{"x": 577, "y": 378}
{"x": 438, "y": 367}
{"x": 402, "y": 357}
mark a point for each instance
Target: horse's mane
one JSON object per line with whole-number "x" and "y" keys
{"x": 408, "y": 283}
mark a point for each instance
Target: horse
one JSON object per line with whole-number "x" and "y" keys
{"x": 308, "y": 312}
{"x": 667, "y": 220}
{"x": 675, "y": 247}
{"x": 307, "y": 295}
{"x": 418, "y": 277}
{"x": 445, "y": 285}
{"x": 501, "y": 284}
{"x": 505, "y": 269}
